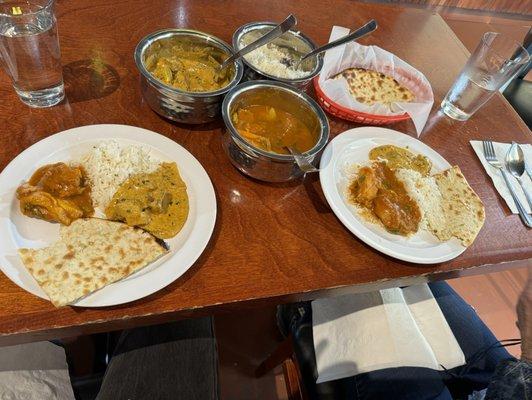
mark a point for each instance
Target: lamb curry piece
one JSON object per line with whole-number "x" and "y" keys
{"x": 156, "y": 202}
{"x": 56, "y": 193}
{"x": 377, "y": 189}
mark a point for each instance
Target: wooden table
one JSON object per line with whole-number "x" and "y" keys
{"x": 272, "y": 243}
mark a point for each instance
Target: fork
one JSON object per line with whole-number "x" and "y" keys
{"x": 491, "y": 158}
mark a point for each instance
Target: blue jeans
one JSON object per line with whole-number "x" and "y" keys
{"x": 406, "y": 383}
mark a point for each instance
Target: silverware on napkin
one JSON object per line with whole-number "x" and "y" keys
{"x": 515, "y": 162}
{"x": 491, "y": 158}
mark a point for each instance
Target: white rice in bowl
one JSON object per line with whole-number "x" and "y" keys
{"x": 109, "y": 164}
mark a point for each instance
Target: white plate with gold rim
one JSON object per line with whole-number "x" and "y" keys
{"x": 18, "y": 231}
{"x": 352, "y": 147}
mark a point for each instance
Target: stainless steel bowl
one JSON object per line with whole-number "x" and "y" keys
{"x": 291, "y": 39}
{"x": 179, "y": 105}
{"x": 258, "y": 163}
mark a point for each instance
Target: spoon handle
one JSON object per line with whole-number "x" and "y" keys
{"x": 284, "y": 26}
{"x": 360, "y": 32}
{"x": 302, "y": 162}
{"x": 527, "y": 220}
{"x": 526, "y": 192}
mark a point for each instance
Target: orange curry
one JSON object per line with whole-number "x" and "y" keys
{"x": 377, "y": 189}
{"x": 56, "y": 193}
{"x": 272, "y": 129}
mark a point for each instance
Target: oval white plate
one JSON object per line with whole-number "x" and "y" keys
{"x": 17, "y": 230}
{"x": 352, "y": 147}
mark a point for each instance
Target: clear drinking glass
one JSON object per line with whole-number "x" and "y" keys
{"x": 496, "y": 60}
{"x": 29, "y": 50}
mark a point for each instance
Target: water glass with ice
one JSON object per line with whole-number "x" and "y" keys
{"x": 495, "y": 61}
{"x": 29, "y": 51}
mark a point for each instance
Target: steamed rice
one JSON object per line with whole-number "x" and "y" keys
{"x": 109, "y": 164}
{"x": 425, "y": 192}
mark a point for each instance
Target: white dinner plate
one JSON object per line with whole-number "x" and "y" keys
{"x": 352, "y": 147}
{"x": 17, "y": 230}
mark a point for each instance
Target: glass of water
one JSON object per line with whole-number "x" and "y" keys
{"x": 29, "y": 50}
{"x": 494, "y": 62}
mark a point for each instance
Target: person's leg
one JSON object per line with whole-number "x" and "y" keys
{"x": 474, "y": 338}
{"x": 172, "y": 361}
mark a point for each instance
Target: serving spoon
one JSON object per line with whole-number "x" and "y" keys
{"x": 359, "y": 33}
{"x": 284, "y": 26}
{"x": 515, "y": 162}
{"x": 302, "y": 162}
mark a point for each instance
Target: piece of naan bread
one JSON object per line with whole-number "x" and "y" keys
{"x": 450, "y": 207}
{"x": 463, "y": 209}
{"x": 370, "y": 87}
{"x": 90, "y": 254}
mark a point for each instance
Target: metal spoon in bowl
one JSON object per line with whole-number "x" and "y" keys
{"x": 360, "y": 32}
{"x": 515, "y": 162}
{"x": 284, "y": 26}
{"x": 302, "y": 162}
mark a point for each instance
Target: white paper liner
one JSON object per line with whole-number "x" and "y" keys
{"x": 354, "y": 55}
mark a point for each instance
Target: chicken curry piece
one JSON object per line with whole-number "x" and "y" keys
{"x": 377, "y": 189}
{"x": 398, "y": 157}
{"x": 56, "y": 193}
{"x": 189, "y": 66}
{"x": 156, "y": 202}
{"x": 272, "y": 129}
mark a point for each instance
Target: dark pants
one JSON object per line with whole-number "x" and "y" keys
{"x": 407, "y": 383}
{"x": 173, "y": 361}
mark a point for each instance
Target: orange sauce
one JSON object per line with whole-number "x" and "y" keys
{"x": 377, "y": 189}
{"x": 272, "y": 129}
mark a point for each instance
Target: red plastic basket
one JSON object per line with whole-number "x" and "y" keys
{"x": 351, "y": 115}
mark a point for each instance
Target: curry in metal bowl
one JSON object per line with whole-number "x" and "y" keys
{"x": 188, "y": 65}
{"x": 263, "y": 119}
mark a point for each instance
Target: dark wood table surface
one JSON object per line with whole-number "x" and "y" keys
{"x": 272, "y": 243}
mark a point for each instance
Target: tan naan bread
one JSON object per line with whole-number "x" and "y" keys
{"x": 370, "y": 87}
{"x": 90, "y": 254}
{"x": 463, "y": 209}
{"x": 450, "y": 207}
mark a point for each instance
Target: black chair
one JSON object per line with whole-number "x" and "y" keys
{"x": 519, "y": 91}
{"x": 297, "y": 357}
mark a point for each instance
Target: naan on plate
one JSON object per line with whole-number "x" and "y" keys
{"x": 90, "y": 254}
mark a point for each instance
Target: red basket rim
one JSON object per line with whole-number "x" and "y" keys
{"x": 391, "y": 118}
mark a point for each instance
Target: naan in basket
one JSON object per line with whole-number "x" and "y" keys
{"x": 370, "y": 87}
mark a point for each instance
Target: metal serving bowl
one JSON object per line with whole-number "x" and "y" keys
{"x": 176, "y": 104}
{"x": 258, "y": 163}
{"x": 292, "y": 39}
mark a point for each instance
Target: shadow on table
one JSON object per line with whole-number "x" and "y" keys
{"x": 89, "y": 80}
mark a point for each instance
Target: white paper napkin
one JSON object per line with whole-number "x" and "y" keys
{"x": 495, "y": 175}
{"x": 374, "y": 58}
{"x": 34, "y": 371}
{"x": 364, "y": 332}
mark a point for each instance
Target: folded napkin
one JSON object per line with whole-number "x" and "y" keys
{"x": 390, "y": 328}
{"x": 496, "y": 177}
{"x": 34, "y": 371}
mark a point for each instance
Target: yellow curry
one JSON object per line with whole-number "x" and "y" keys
{"x": 156, "y": 201}
{"x": 272, "y": 129}
{"x": 189, "y": 66}
{"x": 398, "y": 157}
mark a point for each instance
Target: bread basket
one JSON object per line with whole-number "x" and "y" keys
{"x": 348, "y": 114}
